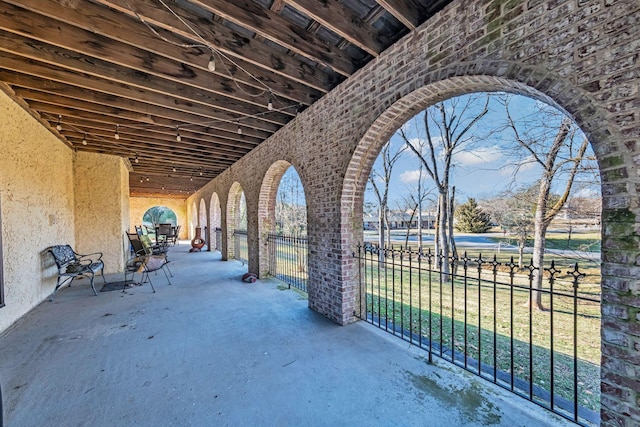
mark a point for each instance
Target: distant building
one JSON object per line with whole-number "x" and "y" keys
{"x": 399, "y": 220}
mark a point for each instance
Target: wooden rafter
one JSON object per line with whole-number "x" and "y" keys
{"x": 273, "y": 27}
{"x": 337, "y": 18}
{"x": 143, "y": 65}
{"x": 255, "y": 59}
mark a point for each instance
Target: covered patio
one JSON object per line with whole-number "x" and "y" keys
{"x": 111, "y": 107}
{"x": 213, "y": 350}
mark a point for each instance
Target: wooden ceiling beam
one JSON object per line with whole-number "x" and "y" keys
{"x": 141, "y": 146}
{"x": 168, "y": 134}
{"x": 275, "y": 28}
{"x": 166, "y": 169}
{"x": 96, "y": 120}
{"x": 148, "y": 158}
{"x": 130, "y": 138}
{"x": 50, "y": 58}
{"x": 78, "y": 111}
{"x": 337, "y": 18}
{"x": 404, "y": 11}
{"x": 149, "y": 105}
{"x": 31, "y": 38}
{"x": 152, "y": 172}
{"x": 91, "y": 132}
{"x": 49, "y": 90}
{"x": 279, "y": 71}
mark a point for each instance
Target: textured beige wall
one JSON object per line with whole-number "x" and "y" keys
{"x": 36, "y": 199}
{"x": 101, "y": 198}
{"x": 139, "y": 205}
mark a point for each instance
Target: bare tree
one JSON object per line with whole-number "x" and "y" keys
{"x": 514, "y": 211}
{"x": 555, "y": 144}
{"x": 291, "y": 211}
{"x": 448, "y": 128}
{"x": 408, "y": 204}
{"x": 380, "y": 181}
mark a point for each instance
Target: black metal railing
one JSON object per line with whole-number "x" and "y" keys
{"x": 481, "y": 315}
{"x": 288, "y": 260}
{"x": 240, "y": 247}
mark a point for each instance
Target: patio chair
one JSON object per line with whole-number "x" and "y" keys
{"x": 144, "y": 261}
{"x": 72, "y": 264}
{"x": 156, "y": 249}
{"x": 176, "y": 234}
{"x": 166, "y": 233}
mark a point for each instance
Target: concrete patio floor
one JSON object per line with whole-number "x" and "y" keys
{"x": 211, "y": 350}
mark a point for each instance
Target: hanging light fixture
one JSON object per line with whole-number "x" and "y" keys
{"x": 136, "y": 159}
{"x": 270, "y": 103}
{"x": 117, "y": 136}
{"x": 173, "y": 169}
{"x": 178, "y": 137}
{"x": 190, "y": 178}
{"x": 59, "y": 125}
{"x": 239, "y": 128}
{"x": 211, "y": 65}
{"x": 147, "y": 179}
{"x": 84, "y": 139}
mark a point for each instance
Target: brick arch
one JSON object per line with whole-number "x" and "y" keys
{"x": 599, "y": 132}
{"x": 215, "y": 221}
{"x": 202, "y": 219}
{"x": 386, "y": 124}
{"x": 267, "y": 209}
{"x": 233, "y": 210}
{"x": 578, "y": 55}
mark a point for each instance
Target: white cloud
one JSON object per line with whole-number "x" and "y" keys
{"x": 478, "y": 156}
{"x": 411, "y": 176}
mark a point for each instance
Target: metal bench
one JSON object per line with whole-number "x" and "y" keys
{"x": 72, "y": 264}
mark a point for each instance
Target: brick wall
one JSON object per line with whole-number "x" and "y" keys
{"x": 581, "y": 56}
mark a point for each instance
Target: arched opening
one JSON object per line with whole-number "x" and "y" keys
{"x": 237, "y": 224}
{"x": 202, "y": 223}
{"x": 215, "y": 221}
{"x": 448, "y": 332}
{"x": 283, "y": 225}
{"x": 159, "y": 215}
{"x": 193, "y": 220}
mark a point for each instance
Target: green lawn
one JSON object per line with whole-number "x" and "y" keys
{"x": 582, "y": 242}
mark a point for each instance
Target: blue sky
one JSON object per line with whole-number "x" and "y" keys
{"x": 488, "y": 163}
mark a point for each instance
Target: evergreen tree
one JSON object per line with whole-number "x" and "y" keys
{"x": 472, "y": 219}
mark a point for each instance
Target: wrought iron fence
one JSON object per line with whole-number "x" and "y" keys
{"x": 288, "y": 260}
{"x": 240, "y": 247}
{"x": 480, "y": 316}
{"x": 218, "y": 239}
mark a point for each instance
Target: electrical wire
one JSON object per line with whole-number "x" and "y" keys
{"x": 214, "y": 49}
{"x": 206, "y": 44}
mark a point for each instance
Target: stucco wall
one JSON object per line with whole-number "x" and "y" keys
{"x": 36, "y": 192}
{"x": 139, "y": 205}
{"x": 101, "y": 207}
